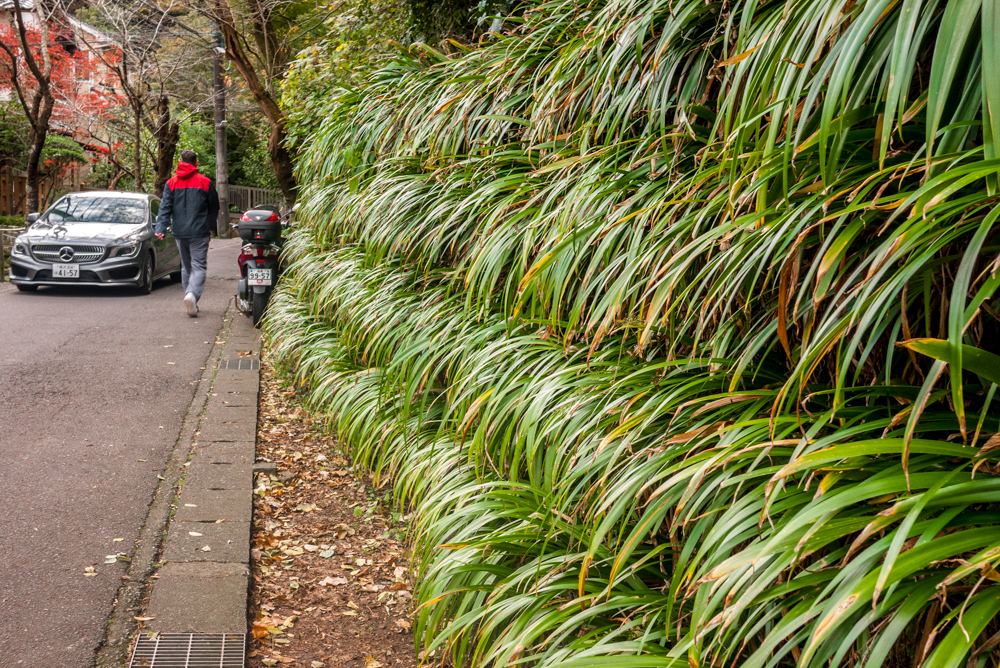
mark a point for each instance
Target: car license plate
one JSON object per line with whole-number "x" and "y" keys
{"x": 65, "y": 271}
{"x": 259, "y": 277}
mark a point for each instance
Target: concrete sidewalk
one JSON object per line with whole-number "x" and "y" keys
{"x": 203, "y": 582}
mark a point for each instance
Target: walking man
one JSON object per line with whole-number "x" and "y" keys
{"x": 190, "y": 199}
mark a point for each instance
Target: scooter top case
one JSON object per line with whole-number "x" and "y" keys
{"x": 263, "y": 225}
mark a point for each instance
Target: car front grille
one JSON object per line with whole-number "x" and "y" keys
{"x": 82, "y": 254}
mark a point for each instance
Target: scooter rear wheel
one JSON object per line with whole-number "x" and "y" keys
{"x": 258, "y": 304}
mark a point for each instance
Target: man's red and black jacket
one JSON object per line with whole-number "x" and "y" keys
{"x": 191, "y": 201}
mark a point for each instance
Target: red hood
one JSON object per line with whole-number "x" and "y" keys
{"x": 184, "y": 170}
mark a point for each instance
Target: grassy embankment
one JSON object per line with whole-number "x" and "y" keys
{"x": 617, "y": 299}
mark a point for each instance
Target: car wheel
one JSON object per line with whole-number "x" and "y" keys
{"x": 27, "y": 288}
{"x": 146, "y": 286}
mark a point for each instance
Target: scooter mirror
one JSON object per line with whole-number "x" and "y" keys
{"x": 295, "y": 207}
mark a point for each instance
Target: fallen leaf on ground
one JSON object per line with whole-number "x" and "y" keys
{"x": 144, "y": 619}
{"x": 352, "y": 604}
{"x": 343, "y": 530}
{"x": 332, "y": 581}
{"x": 370, "y": 662}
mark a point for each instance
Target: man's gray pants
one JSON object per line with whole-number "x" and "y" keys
{"x": 194, "y": 264}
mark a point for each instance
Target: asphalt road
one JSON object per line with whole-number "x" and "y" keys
{"x": 94, "y": 385}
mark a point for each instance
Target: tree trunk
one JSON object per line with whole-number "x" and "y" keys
{"x": 137, "y": 156}
{"x": 39, "y": 131}
{"x": 167, "y": 136}
{"x": 281, "y": 160}
{"x": 39, "y": 111}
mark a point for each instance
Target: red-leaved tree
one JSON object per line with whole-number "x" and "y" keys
{"x": 54, "y": 83}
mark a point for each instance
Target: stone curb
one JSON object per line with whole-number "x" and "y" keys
{"x": 203, "y": 583}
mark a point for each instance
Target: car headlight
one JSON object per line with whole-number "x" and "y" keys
{"x": 19, "y": 249}
{"x": 128, "y": 250}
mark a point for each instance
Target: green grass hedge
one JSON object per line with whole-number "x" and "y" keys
{"x": 675, "y": 324}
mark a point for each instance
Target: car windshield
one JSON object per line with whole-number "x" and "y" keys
{"x": 97, "y": 209}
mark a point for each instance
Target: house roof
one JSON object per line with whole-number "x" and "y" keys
{"x": 95, "y": 37}
{"x": 24, "y": 4}
{"x": 99, "y": 37}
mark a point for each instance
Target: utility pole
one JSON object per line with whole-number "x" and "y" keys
{"x": 221, "y": 158}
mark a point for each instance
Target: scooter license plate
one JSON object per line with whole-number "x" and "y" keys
{"x": 259, "y": 277}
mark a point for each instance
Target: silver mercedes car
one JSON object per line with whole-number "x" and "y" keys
{"x": 94, "y": 238}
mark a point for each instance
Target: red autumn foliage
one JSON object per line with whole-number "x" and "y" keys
{"x": 81, "y": 84}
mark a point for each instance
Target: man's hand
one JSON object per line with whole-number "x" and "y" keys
{"x": 159, "y": 236}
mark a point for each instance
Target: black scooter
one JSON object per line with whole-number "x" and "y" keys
{"x": 260, "y": 229}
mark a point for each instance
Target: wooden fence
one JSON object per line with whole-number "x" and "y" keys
{"x": 242, "y": 198}
{"x": 13, "y": 192}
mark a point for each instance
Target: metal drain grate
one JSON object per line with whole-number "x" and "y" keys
{"x": 246, "y": 363}
{"x": 189, "y": 650}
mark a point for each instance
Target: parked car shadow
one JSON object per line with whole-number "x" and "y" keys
{"x": 110, "y": 292}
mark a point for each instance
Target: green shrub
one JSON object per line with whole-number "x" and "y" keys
{"x": 619, "y": 302}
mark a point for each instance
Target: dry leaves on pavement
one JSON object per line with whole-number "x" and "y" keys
{"x": 331, "y": 583}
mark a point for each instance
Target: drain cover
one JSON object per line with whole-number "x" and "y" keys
{"x": 189, "y": 650}
{"x": 247, "y": 363}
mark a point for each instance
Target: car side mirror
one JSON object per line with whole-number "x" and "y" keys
{"x": 31, "y": 217}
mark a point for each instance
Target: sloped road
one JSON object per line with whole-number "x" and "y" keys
{"x": 94, "y": 385}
